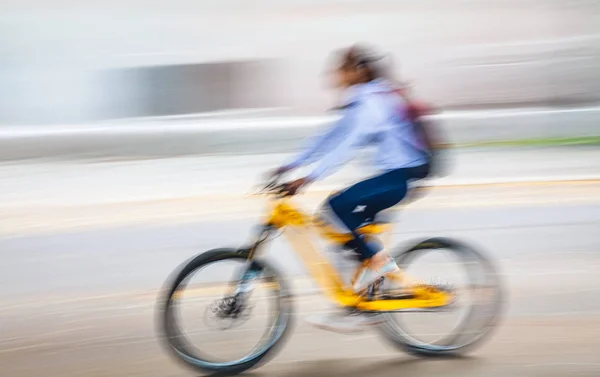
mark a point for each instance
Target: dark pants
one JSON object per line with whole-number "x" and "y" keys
{"x": 360, "y": 203}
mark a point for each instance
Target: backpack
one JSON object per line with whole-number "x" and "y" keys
{"x": 428, "y": 132}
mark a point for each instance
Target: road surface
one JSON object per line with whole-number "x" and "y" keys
{"x": 46, "y": 196}
{"x": 80, "y": 301}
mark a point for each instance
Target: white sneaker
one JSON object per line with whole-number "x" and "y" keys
{"x": 369, "y": 276}
{"x": 345, "y": 322}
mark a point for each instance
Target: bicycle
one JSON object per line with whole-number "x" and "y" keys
{"x": 413, "y": 296}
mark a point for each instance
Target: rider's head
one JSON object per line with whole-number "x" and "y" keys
{"x": 357, "y": 65}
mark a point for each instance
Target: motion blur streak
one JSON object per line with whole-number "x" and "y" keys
{"x": 133, "y": 132}
{"x": 113, "y": 59}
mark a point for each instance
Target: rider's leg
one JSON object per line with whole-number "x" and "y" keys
{"x": 345, "y": 322}
{"x": 375, "y": 194}
{"x": 348, "y": 210}
{"x": 362, "y": 201}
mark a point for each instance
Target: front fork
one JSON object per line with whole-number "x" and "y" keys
{"x": 252, "y": 269}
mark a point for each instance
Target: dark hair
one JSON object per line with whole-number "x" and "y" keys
{"x": 360, "y": 57}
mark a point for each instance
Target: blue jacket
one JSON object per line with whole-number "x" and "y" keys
{"x": 372, "y": 116}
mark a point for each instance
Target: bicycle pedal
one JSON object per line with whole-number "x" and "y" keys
{"x": 374, "y": 290}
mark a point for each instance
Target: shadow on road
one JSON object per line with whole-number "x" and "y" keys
{"x": 378, "y": 368}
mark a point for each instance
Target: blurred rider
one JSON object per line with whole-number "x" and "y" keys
{"x": 375, "y": 113}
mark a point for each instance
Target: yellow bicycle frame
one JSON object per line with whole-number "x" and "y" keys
{"x": 284, "y": 214}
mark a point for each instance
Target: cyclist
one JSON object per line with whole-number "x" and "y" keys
{"x": 374, "y": 113}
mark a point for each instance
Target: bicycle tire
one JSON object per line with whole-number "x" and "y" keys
{"x": 168, "y": 328}
{"x": 407, "y": 344}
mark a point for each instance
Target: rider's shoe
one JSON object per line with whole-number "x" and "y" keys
{"x": 344, "y": 322}
{"x": 369, "y": 276}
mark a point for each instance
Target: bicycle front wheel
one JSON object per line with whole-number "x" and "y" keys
{"x": 223, "y": 314}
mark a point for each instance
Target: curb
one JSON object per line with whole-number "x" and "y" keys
{"x": 168, "y": 137}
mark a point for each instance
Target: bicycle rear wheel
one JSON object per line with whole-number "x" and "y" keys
{"x": 450, "y": 330}
{"x": 207, "y": 292}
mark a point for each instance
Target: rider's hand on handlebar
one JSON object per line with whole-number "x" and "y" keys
{"x": 273, "y": 176}
{"x": 272, "y": 179}
{"x": 279, "y": 171}
{"x": 292, "y": 188}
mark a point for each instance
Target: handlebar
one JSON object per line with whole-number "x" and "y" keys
{"x": 271, "y": 185}
{"x": 274, "y": 187}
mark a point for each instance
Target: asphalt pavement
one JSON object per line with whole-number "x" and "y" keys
{"x": 81, "y": 302}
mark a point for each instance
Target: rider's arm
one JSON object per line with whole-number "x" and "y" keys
{"x": 317, "y": 145}
{"x": 356, "y": 123}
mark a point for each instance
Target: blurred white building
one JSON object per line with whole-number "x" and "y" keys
{"x": 64, "y": 61}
